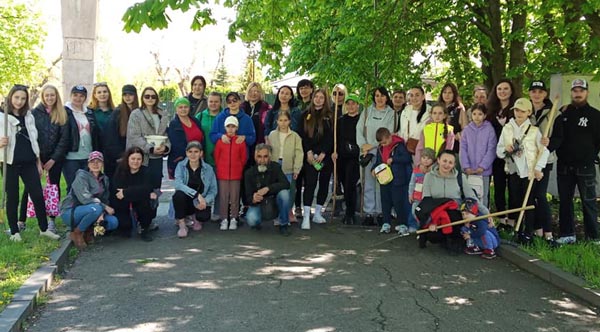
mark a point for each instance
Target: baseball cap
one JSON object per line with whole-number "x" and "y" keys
{"x": 193, "y": 144}
{"x": 523, "y": 104}
{"x": 232, "y": 94}
{"x": 79, "y": 89}
{"x": 129, "y": 89}
{"x": 470, "y": 205}
{"x": 352, "y": 97}
{"x": 579, "y": 83}
{"x": 95, "y": 155}
{"x": 232, "y": 120}
{"x": 537, "y": 85}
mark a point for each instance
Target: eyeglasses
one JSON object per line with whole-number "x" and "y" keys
{"x": 151, "y": 97}
{"x": 101, "y": 84}
{"x": 231, "y": 101}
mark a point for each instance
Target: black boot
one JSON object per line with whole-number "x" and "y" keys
{"x": 146, "y": 235}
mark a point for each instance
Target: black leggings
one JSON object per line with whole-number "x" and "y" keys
{"x": 299, "y": 185}
{"x": 54, "y": 176}
{"x": 184, "y": 206}
{"x": 348, "y": 176}
{"x": 500, "y": 184}
{"x": 124, "y": 210}
{"x": 311, "y": 177}
{"x": 31, "y": 178}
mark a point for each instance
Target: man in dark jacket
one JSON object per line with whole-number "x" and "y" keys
{"x": 267, "y": 190}
{"x": 579, "y": 147}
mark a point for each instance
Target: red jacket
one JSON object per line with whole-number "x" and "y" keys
{"x": 230, "y": 159}
{"x": 439, "y": 216}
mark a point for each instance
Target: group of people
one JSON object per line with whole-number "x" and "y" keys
{"x": 398, "y": 158}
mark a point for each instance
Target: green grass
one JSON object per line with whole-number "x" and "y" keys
{"x": 19, "y": 260}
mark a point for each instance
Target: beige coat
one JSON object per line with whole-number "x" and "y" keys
{"x": 292, "y": 151}
{"x": 141, "y": 125}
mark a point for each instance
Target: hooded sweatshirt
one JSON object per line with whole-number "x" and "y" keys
{"x": 401, "y": 160}
{"x": 478, "y": 147}
{"x": 370, "y": 120}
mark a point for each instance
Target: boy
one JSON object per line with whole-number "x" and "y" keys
{"x": 392, "y": 151}
{"x": 230, "y": 159}
{"x": 481, "y": 236}
{"x": 415, "y": 189}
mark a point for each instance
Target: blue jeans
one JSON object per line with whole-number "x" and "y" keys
{"x": 70, "y": 168}
{"x": 284, "y": 204}
{"x": 86, "y": 215}
{"x": 396, "y": 197}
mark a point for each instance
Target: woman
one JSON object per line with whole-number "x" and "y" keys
{"x": 440, "y": 184}
{"x": 338, "y": 94}
{"x": 87, "y": 202}
{"x": 182, "y": 129}
{"x": 53, "y": 140}
{"x": 195, "y": 190}
{"x": 457, "y": 116}
{"x": 132, "y": 194}
{"x": 101, "y": 105}
{"x": 149, "y": 119}
{"x": 499, "y": 107}
{"x": 304, "y": 91}
{"x": 257, "y": 108}
{"x": 399, "y": 100}
{"x": 413, "y": 118}
{"x": 316, "y": 131}
{"x": 379, "y": 114}
{"x": 116, "y": 129}
{"x": 207, "y": 118}
{"x": 20, "y": 146}
{"x": 284, "y": 102}
{"x": 198, "y": 101}
{"x": 83, "y": 133}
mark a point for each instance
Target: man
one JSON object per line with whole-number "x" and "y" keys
{"x": 266, "y": 187}
{"x": 577, "y": 151}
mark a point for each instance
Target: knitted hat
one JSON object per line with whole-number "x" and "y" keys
{"x": 181, "y": 101}
{"x": 95, "y": 155}
{"x": 428, "y": 153}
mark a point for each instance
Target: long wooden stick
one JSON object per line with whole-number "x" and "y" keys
{"x": 362, "y": 169}
{"x": 464, "y": 221}
{"x": 4, "y": 170}
{"x": 335, "y": 116}
{"x": 551, "y": 117}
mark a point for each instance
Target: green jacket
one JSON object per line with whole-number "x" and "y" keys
{"x": 206, "y": 122}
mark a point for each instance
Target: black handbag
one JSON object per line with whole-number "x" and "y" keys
{"x": 268, "y": 208}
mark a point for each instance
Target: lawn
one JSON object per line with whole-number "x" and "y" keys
{"x": 19, "y": 260}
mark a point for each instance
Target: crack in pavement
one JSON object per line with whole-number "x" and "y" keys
{"x": 436, "y": 319}
{"x": 382, "y": 319}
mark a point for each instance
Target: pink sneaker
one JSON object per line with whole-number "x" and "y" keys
{"x": 197, "y": 226}
{"x": 182, "y": 232}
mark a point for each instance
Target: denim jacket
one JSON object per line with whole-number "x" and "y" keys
{"x": 208, "y": 178}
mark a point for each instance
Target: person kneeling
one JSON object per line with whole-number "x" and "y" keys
{"x": 481, "y": 236}
{"x": 268, "y": 189}
{"x": 195, "y": 190}
{"x": 87, "y": 202}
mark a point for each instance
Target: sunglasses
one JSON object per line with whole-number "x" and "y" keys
{"x": 231, "y": 101}
{"x": 151, "y": 97}
{"x": 338, "y": 93}
{"x": 20, "y": 87}
{"x": 101, "y": 84}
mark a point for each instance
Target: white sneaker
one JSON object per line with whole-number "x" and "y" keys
{"x": 233, "y": 224}
{"x": 305, "y": 222}
{"x": 385, "y": 228}
{"x": 189, "y": 221}
{"x": 50, "y": 235}
{"x": 51, "y": 226}
{"x": 318, "y": 219}
{"x": 276, "y": 222}
{"x": 16, "y": 237}
{"x": 403, "y": 230}
{"x": 566, "y": 240}
{"x": 224, "y": 225}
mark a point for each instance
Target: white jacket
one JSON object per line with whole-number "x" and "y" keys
{"x": 13, "y": 123}
{"x": 527, "y": 161}
{"x": 408, "y": 120}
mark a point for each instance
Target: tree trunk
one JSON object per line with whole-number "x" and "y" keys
{"x": 517, "y": 43}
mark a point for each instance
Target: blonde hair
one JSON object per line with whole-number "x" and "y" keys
{"x": 339, "y": 87}
{"x": 58, "y": 115}
{"x": 258, "y": 87}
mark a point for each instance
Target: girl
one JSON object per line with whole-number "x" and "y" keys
{"x": 284, "y": 102}
{"x": 87, "y": 202}
{"x": 520, "y": 144}
{"x": 414, "y": 118}
{"x": 457, "y": 116}
{"x": 287, "y": 150}
{"x": 437, "y": 135}
{"x": 132, "y": 193}
{"x": 316, "y": 131}
{"x": 478, "y": 148}
{"x": 21, "y": 150}
{"x": 116, "y": 129}
{"x": 53, "y": 140}
{"x": 101, "y": 105}
{"x": 83, "y": 134}
{"x": 499, "y": 107}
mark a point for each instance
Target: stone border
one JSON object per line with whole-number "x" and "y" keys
{"x": 550, "y": 273}
{"x": 24, "y": 301}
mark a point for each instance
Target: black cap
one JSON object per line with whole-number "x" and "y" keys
{"x": 129, "y": 89}
{"x": 79, "y": 89}
{"x": 538, "y": 85}
{"x": 233, "y": 94}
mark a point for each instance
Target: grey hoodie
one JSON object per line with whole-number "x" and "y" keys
{"x": 86, "y": 189}
{"x": 375, "y": 120}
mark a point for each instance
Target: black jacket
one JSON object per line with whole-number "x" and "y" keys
{"x": 53, "y": 139}
{"x": 273, "y": 178}
{"x": 74, "y": 131}
{"x": 346, "y": 140}
{"x": 136, "y": 187}
{"x": 317, "y": 144}
{"x": 580, "y": 135}
{"x": 113, "y": 143}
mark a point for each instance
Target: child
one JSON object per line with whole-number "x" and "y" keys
{"x": 415, "y": 189}
{"x": 287, "y": 150}
{"x": 520, "y": 144}
{"x": 393, "y": 152}
{"x": 230, "y": 159}
{"x": 481, "y": 235}
{"x": 437, "y": 134}
{"x": 478, "y": 150}
{"x": 23, "y": 160}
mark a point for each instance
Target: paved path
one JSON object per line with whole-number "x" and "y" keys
{"x": 327, "y": 279}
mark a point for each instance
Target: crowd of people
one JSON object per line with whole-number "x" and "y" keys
{"x": 402, "y": 161}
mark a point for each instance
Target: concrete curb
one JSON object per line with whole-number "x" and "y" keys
{"x": 550, "y": 273}
{"x": 24, "y": 300}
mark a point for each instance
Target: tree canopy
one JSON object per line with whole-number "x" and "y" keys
{"x": 395, "y": 43}
{"x": 20, "y": 45}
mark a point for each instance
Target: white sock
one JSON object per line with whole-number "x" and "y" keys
{"x": 318, "y": 209}
{"x": 306, "y": 211}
